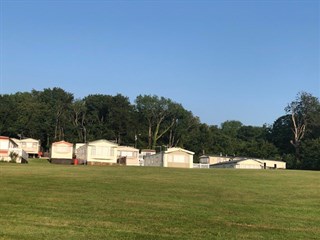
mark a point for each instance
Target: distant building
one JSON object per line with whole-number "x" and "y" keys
{"x": 173, "y": 157}
{"x": 29, "y": 145}
{"x": 143, "y": 153}
{"x": 9, "y": 147}
{"x": 128, "y": 156}
{"x": 76, "y": 147}
{"x": 99, "y": 152}
{"x": 213, "y": 159}
{"x": 61, "y": 153}
{"x": 250, "y": 163}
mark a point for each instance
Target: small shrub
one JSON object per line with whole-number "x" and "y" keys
{"x": 13, "y": 156}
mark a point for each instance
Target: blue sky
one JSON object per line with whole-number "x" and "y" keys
{"x": 222, "y": 60}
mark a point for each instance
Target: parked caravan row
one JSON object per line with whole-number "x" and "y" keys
{"x": 104, "y": 152}
{"x": 99, "y": 152}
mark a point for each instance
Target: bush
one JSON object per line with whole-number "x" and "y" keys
{"x": 13, "y": 156}
{"x": 290, "y": 160}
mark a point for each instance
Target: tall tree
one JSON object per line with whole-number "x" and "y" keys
{"x": 8, "y": 114}
{"x": 184, "y": 124}
{"x": 56, "y": 107}
{"x": 301, "y": 110}
{"x": 30, "y": 118}
{"x": 78, "y": 116}
{"x": 121, "y": 114}
{"x": 110, "y": 117}
{"x": 231, "y": 127}
{"x": 280, "y": 134}
{"x": 98, "y": 117}
{"x": 155, "y": 110}
{"x": 198, "y": 141}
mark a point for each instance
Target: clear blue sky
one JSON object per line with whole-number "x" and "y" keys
{"x": 222, "y": 60}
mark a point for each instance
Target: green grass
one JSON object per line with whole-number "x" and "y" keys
{"x": 43, "y": 201}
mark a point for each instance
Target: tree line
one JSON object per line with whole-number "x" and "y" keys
{"x": 155, "y": 122}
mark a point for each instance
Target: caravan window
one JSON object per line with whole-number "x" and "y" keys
{"x": 63, "y": 149}
{"x": 102, "y": 151}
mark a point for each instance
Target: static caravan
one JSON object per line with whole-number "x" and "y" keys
{"x": 61, "y": 153}
{"x": 143, "y": 153}
{"x": 239, "y": 164}
{"x": 100, "y": 152}
{"x": 29, "y": 145}
{"x": 128, "y": 156}
{"x": 173, "y": 157}
{"x": 251, "y": 163}
{"x": 273, "y": 164}
{"x": 10, "y": 151}
{"x": 77, "y": 146}
{"x": 211, "y": 159}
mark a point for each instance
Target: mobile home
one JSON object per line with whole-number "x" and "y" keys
{"x": 143, "y": 153}
{"x": 251, "y": 163}
{"x": 128, "y": 156}
{"x": 213, "y": 159}
{"x": 10, "y": 151}
{"x": 61, "y": 153}
{"x": 99, "y": 152}
{"x": 173, "y": 157}
{"x": 29, "y": 145}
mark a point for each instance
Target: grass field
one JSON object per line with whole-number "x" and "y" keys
{"x": 43, "y": 201}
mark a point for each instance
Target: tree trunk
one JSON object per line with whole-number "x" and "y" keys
{"x": 155, "y": 134}
{"x": 150, "y": 136}
{"x": 170, "y": 139}
{"x": 298, "y": 131}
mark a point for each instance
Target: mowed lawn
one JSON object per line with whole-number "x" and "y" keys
{"x": 43, "y": 201}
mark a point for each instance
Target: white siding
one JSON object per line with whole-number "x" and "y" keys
{"x": 61, "y": 150}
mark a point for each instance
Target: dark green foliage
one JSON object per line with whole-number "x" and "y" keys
{"x": 281, "y": 133}
{"x": 157, "y": 122}
{"x": 231, "y": 128}
{"x": 250, "y": 133}
{"x": 289, "y": 159}
{"x": 8, "y": 114}
{"x": 54, "y": 119}
{"x": 310, "y": 151}
{"x": 13, "y": 156}
{"x": 305, "y": 116}
{"x": 109, "y": 117}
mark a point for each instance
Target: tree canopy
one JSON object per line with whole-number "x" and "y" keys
{"x": 157, "y": 122}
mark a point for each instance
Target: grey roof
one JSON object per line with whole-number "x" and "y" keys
{"x": 236, "y": 161}
{"x": 240, "y": 159}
